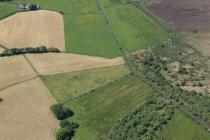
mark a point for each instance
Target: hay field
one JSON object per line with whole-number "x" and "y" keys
{"x": 51, "y": 63}
{"x": 25, "y": 112}
{"x": 13, "y": 70}
{"x": 33, "y": 29}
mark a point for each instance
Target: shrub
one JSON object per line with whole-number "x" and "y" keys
{"x": 1, "y": 99}
{"x": 61, "y": 112}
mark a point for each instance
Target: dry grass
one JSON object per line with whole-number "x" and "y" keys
{"x": 201, "y": 42}
{"x": 33, "y": 29}
{"x": 13, "y": 70}
{"x": 25, "y": 112}
{"x": 1, "y": 50}
{"x": 47, "y": 64}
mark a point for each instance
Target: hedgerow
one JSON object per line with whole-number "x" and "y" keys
{"x": 151, "y": 68}
{"x": 67, "y": 130}
{"x": 144, "y": 121}
{"x": 19, "y": 51}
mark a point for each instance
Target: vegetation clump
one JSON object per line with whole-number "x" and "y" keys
{"x": 67, "y": 130}
{"x": 61, "y": 112}
{"x": 19, "y": 51}
{"x": 144, "y": 121}
{"x": 151, "y": 67}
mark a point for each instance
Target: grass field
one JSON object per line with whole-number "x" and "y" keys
{"x": 134, "y": 28}
{"x": 6, "y": 9}
{"x": 181, "y": 127}
{"x": 70, "y": 85}
{"x": 97, "y": 111}
{"x": 90, "y": 35}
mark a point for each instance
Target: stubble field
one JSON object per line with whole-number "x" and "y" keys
{"x": 33, "y": 29}
{"x": 25, "y": 112}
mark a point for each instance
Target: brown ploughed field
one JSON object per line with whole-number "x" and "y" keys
{"x": 184, "y": 15}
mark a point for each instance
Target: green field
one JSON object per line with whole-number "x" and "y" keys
{"x": 70, "y": 85}
{"x": 6, "y": 9}
{"x": 181, "y": 127}
{"x": 97, "y": 111}
{"x": 134, "y": 28}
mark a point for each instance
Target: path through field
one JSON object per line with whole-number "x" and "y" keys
{"x": 14, "y": 70}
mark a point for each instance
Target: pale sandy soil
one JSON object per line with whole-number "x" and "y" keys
{"x": 33, "y": 29}
{"x": 201, "y": 41}
{"x": 53, "y": 63}
{"x": 1, "y": 50}
{"x": 25, "y": 112}
{"x": 13, "y": 70}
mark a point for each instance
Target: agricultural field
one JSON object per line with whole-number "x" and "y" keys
{"x": 70, "y": 85}
{"x": 6, "y": 9}
{"x": 92, "y": 81}
{"x": 181, "y": 127}
{"x": 98, "y": 28}
{"x": 53, "y": 63}
{"x": 97, "y": 111}
{"x": 26, "y": 115}
{"x": 33, "y": 29}
{"x": 14, "y": 70}
{"x": 134, "y": 28}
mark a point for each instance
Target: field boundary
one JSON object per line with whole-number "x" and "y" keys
{"x": 19, "y": 83}
{"x": 91, "y": 91}
{"x": 31, "y": 65}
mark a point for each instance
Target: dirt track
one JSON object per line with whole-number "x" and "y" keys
{"x": 25, "y": 112}
{"x": 184, "y": 15}
{"x": 13, "y": 70}
{"x": 33, "y": 29}
{"x": 51, "y": 63}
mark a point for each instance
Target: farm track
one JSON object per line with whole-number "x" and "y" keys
{"x": 14, "y": 70}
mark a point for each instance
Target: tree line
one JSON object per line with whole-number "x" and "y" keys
{"x": 144, "y": 121}
{"x": 19, "y": 51}
{"x": 67, "y": 130}
{"x": 151, "y": 68}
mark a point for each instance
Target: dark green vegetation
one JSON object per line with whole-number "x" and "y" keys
{"x": 152, "y": 68}
{"x": 181, "y": 127}
{"x": 97, "y": 111}
{"x": 67, "y": 130}
{"x": 61, "y": 112}
{"x": 68, "y": 86}
{"x": 144, "y": 121}
{"x": 19, "y": 51}
{"x": 100, "y": 28}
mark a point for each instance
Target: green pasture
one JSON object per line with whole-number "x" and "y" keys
{"x": 67, "y": 86}
{"x": 181, "y": 127}
{"x": 97, "y": 111}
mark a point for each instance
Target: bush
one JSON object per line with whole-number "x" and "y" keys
{"x": 61, "y": 112}
{"x": 1, "y": 99}
{"x": 65, "y": 133}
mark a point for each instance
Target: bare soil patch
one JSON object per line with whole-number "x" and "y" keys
{"x": 1, "y": 50}
{"x": 25, "y": 112}
{"x": 33, "y": 29}
{"x": 184, "y": 15}
{"x": 51, "y": 63}
{"x": 13, "y": 70}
